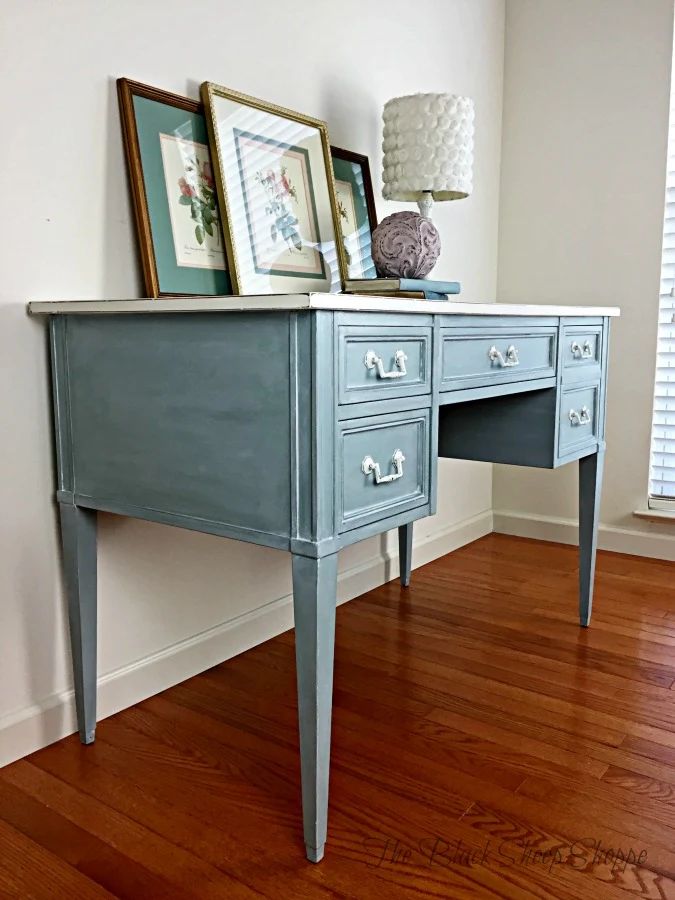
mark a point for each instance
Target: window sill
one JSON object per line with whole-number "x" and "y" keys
{"x": 656, "y": 515}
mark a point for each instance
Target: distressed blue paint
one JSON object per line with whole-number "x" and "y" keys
{"x": 78, "y": 532}
{"x": 590, "y": 486}
{"x": 254, "y": 426}
{"x": 405, "y": 537}
{"x": 359, "y": 498}
{"x": 466, "y": 356}
{"x": 358, "y": 384}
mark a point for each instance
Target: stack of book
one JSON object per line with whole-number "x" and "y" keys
{"x": 412, "y": 288}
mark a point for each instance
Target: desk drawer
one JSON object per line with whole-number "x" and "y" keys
{"x": 578, "y": 418}
{"x": 474, "y": 360}
{"x": 383, "y": 361}
{"x": 383, "y": 466}
{"x": 581, "y": 353}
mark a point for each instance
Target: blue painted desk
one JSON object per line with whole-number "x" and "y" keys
{"x": 307, "y": 423}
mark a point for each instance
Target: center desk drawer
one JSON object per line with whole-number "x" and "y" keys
{"x": 474, "y": 360}
{"x": 383, "y": 467}
{"x": 383, "y": 361}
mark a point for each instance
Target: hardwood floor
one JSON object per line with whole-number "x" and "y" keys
{"x": 484, "y": 746}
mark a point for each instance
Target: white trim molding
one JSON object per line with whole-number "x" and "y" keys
{"x": 42, "y": 723}
{"x": 644, "y": 542}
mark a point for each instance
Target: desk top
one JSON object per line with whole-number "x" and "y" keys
{"x": 356, "y": 302}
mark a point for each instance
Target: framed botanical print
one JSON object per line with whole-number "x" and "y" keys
{"x": 174, "y": 193}
{"x": 356, "y": 210}
{"x": 275, "y": 185}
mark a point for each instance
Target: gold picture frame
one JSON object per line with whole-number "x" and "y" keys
{"x": 275, "y": 185}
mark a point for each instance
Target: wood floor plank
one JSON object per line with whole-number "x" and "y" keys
{"x": 651, "y": 709}
{"x": 554, "y": 745}
{"x": 413, "y": 640}
{"x": 478, "y": 743}
{"x": 561, "y": 643}
{"x": 645, "y": 786}
{"x": 485, "y": 700}
{"x": 83, "y": 850}
{"x": 29, "y": 872}
{"x": 434, "y": 606}
{"x": 483, "y": 747}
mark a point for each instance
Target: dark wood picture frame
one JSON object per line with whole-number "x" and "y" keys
{"x": 362, "y": 160}
{"x": 126, "y": 91}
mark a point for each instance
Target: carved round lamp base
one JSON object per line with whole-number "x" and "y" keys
{"x": 405, "y": 245}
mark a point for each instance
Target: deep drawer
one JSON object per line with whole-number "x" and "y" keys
{"x": 473, "y": 360}
{"x": 578, "y": 418}
{"x": 383, "y": 465}
{"x": 581, "y": 353}
{"x": 383, "y": 361}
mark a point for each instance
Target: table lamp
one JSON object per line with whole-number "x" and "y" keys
{"x": 428, "y": 155}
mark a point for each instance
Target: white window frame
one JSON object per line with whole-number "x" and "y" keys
{"x": 664, "y": 376}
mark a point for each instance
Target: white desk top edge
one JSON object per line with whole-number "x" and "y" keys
{"x": 356, "y": 302}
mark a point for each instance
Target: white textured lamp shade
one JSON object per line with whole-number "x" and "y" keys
{"x": 428, "y": 147}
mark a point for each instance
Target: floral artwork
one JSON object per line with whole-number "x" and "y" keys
{"x": 281, "y": 197}
{"x": 344, "y": 220}
{"x": 193, "y": 205}
{"x": 351, "y": 233}
{"x": 201, "y": 198}
{"x": 279, "y": 207}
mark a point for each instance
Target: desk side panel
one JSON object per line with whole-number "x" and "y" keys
{"x": 185, "y": 415}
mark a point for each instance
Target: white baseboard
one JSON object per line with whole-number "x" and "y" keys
{"x": 566, "y": 531}
{"x": 53, "y": 718}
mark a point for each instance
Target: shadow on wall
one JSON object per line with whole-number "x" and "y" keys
{"x": 40, "y": 596}
{"x": 344, "y": 102}
{"x": 122, "y": 272}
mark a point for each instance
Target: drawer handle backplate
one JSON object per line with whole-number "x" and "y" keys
{"x": 580, "y": 418}
{"x": 583, "y": 352}
{"x": 369, "y": 465}
{"x": 507, "y": 362}
{"x": 372, "y": 359}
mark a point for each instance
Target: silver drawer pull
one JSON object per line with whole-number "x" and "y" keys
{"x": 581, "y": 418}
{"x": 585, "y": 352}
{"x": 510, "y": 360}
{"x": 372, "y": 360}
{"x": 369, "y": 465}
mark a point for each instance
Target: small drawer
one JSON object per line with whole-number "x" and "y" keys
{"x": 384, "y": 361}
{"x": 473, "y": 360}
{"x": 383, "y": 465}
{"x": 581, "y": 353}
{"x": 578, "y": 418}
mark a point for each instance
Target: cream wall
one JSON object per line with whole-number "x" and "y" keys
{"x": 586, "y": 98}
{"x": 173, "y": 602}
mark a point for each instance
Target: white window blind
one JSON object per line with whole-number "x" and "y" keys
{"x": 662, "y": 473}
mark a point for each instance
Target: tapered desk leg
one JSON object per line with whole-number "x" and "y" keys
{"x": 590, "y": 488}
{"x": 405, "y": 536}
{"x": 78, "y": 533}
{"x": 314, "y": 598}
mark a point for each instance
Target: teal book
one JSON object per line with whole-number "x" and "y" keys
{"x": 398, "y": 285}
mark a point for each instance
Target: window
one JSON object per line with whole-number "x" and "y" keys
{"x": 662, "y": 472}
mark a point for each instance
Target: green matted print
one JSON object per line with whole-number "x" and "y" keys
{"x": 356, "y": 210}
{"x": 176, "y": 168}
{"x": 280, "y": 207}
{"x": 174, "y": 193}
